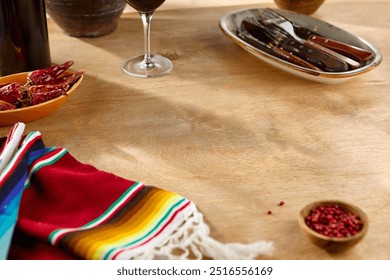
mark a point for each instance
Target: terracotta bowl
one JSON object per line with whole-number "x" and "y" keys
{"x": 333, "y": 244}
{"x": 86, "y": 18}
{"x": 35, "y": 112}
{"x": 307, "y": 7}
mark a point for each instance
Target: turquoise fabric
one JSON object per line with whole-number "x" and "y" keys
{"x": 9, "y": 209}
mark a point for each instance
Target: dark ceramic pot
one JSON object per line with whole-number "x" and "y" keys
{"x": 86, "y": 18}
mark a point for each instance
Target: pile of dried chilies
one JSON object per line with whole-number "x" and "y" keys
{"x": 42, "y": 85}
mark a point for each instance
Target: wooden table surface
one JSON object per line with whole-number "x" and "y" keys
{"x": 230, "y": 132}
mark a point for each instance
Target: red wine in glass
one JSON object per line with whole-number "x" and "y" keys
{"x": 145, "y": 6}
{"x": 147, "y": 65}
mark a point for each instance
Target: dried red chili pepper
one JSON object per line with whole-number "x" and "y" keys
{"x": 45, "y": 88}
{"x": 11, "y": 93}
{"x": 40, "y": 97}
{"x": 6, "y": 106}
{"x": 47, "y": 75}
{"x": 63, "y": 82}
{"x": 68, "y": 79}
{"x": 333, "y": 221}
{"x": 4, "y": 84}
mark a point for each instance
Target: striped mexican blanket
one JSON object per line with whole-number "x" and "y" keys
{"x": 71, "y": 210}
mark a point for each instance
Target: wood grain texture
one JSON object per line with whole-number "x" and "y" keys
{"x": 232, "y": 133}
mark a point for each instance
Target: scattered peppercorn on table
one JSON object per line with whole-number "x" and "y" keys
{"x": 249, "y": 144}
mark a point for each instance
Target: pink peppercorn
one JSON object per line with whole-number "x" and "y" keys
{"x": 332, "y": 221}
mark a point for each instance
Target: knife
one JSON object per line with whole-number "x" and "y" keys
{"x": 353, "y": 52}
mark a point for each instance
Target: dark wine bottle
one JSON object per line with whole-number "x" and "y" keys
{"x": 24, "y": 39}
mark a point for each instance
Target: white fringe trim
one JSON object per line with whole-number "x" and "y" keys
{"x": 192, "y": 241}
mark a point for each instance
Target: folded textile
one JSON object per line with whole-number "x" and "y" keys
{"x": 11, "y": 188}
{"x": 71, "y": 210}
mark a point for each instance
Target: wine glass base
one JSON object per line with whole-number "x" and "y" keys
{"x": 158, "y": 66}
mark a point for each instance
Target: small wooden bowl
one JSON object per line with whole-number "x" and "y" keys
{"x": 333, "y": 244}
{"x": 35, "y": 112}
{"x": 307, "y": 7}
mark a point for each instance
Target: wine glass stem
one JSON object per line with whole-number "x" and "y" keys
{"x": 146, "y": 21}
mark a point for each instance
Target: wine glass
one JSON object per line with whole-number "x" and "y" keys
{"x": 147, "y": 65}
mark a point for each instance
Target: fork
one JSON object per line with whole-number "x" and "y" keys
{"x": 270, "y": 17}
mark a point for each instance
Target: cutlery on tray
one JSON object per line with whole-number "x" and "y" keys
{"x": 271, "y": 45}
{"x": 278, "y": 38}
{"x": 272, "y": 19}
{"x": 353, "y": 52}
